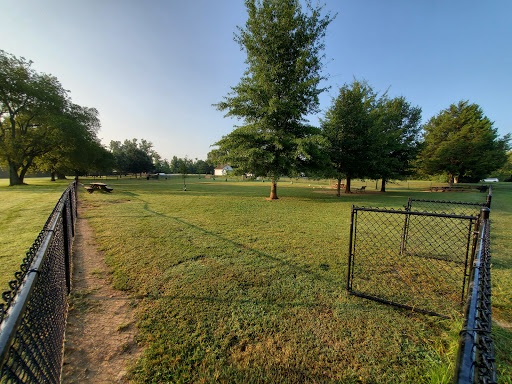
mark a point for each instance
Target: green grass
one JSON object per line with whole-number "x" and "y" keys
{"x": 24, "y": 210}
{"x": 235, "y": 288}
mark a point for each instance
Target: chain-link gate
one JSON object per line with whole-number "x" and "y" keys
{"x": 33, "y": 314}
{"x": 415, "y": 260}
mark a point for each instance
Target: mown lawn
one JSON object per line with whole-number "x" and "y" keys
{"x": 24, "y": 210}
{"x": 234, "y": 288}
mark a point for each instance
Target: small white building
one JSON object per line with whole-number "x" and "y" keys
{"x": 223, "y": 170}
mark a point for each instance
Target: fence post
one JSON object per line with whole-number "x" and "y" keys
{"x": 349, "y": 282}
{"x": 405, "y": 232}
{"x": 489, "y": 198}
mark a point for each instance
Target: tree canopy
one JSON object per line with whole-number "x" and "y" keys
{"x": 39, "y": 125}
{"x": 463, "y": 143}
{"x": 349, "y": 129}
{"x": 279, "y": 88}
{"x": 132, "y": 156}
{"x": 398, "y": 134}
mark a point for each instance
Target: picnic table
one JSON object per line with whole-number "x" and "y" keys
{"x": 98, "y": 187}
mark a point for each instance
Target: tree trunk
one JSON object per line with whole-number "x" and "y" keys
{"x": 347, "y": 185}
{"x": 273, "y": 190}
{"x": 450, "y": 179}
{"x": 383, "y": 185}
{"x": 53, "y": 176}
{"x": 14, "y": 178}
{"x": 339, "y": 186}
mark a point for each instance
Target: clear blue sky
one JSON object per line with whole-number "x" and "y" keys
{"x": 154, "y": 68}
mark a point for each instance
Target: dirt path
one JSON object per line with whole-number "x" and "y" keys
{"x": 100, "y": 333}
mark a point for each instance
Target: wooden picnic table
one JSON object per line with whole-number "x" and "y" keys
{"x": 99, "y": 187}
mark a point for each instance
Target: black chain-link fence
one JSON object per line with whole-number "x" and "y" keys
{"x": 475, "y": 360}
{"x": 33, "y": 311}
{"x": 415, "y": 260}
{"x": 447, "y": 207}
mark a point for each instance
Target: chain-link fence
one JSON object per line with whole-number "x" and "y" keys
{"x": 475, "y": 360}
{"x": 415, "y": 260}
{"x": 447, "y": 207}
{"x": 33, "y": 312}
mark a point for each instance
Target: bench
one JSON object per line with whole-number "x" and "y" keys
{"x": 360, "y": 190}
{"x": 89, "y": 189}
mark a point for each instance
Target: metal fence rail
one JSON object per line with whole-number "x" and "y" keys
{"x": 33, "y": 312}
{"x": 415, "y": 260}
{"x": 475, "y": 360}
{"x": 447, "y": 207}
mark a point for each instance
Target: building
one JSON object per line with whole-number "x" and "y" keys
{"x": 223, "y": 170}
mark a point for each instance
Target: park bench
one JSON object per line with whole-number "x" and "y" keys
{"x": 360, "y": 190}
{"x": 89, "y": 189}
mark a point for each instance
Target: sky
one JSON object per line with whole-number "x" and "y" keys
{"x": 153, "y": 68}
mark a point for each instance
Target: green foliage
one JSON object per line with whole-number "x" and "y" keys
{"x": 505, "y": 173}
{"x": 349, "y": 128}
{"x": 369, "y": 136}
{"x": 398, "y": 127}
{"x": 39, "y": 125}
{"x": 132, "y": 156}
{"x": 462, "y": 142}
{"x": 278, "y": 89}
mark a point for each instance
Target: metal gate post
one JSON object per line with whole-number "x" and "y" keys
{"x": 350, "y": 251}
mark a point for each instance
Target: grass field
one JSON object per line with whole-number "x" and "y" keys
{"x": 24, "y": 210}
{"x": 231, "y": 287}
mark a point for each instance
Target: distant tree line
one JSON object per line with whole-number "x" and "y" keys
{"x": 134, "y": 157}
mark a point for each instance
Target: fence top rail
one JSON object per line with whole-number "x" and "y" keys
{"x": 465, "y": 370}
{"x": 449, "y": 202}
{"x": 413, "y": 213}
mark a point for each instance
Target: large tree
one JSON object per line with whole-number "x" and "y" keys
{"x": 132, "y": 156}
{"x": 279, "y": 88}
{"x": 463, "y": 143}
{"x": 75, "y": 143}
{"x": 397, "y": 134}
{"x": 351, "y": 136}
{"x": 31, "y": 110}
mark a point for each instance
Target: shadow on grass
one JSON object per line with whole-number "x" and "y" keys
{"x": 296, "y": 268}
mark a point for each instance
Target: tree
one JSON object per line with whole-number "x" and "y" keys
{"x": 75, "y": 142}
{"x": 349, "y": 130}
{"x": 398, "y": 127}
{"x": 505, "y": 173}
{"x": 279, "y": 88}
{"x": 31, "y": 110}
{"x": 462, "y": 143}
{"x": 184, "y": 168}
{"x": 132, "y": 157}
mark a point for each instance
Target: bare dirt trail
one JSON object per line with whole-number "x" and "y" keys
{"x": 100, "y": 333}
